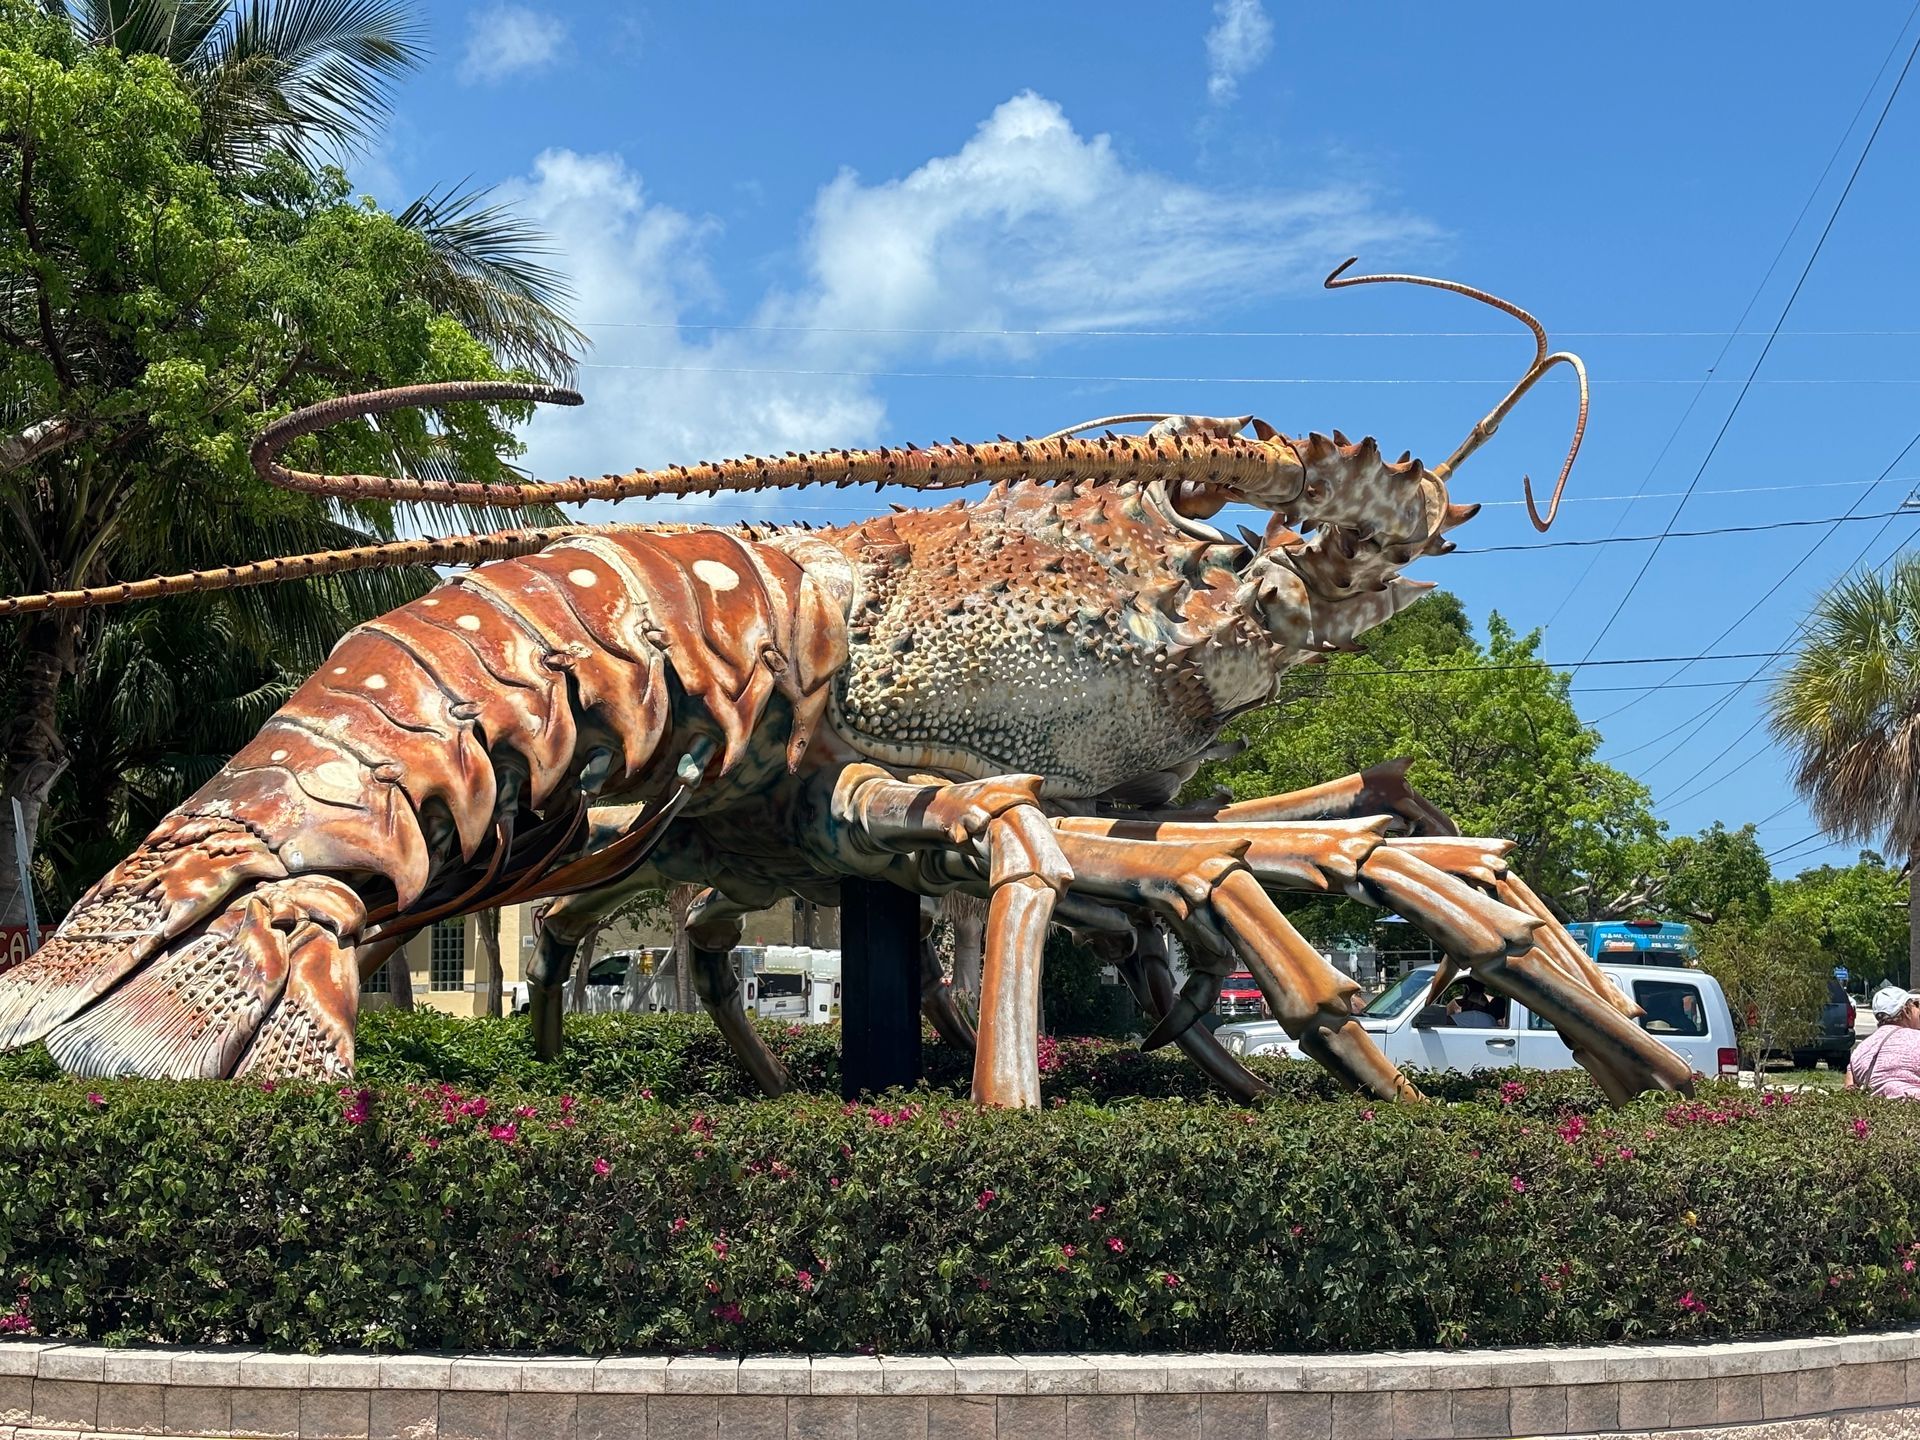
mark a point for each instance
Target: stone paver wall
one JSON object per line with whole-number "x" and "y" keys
{"x": 1857, "y": 1388}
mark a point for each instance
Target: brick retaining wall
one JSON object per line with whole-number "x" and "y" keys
{"x": 1864, "y": 1387}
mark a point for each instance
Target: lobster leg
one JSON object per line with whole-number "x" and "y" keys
{"x": 713, "y": 929}
{"x": 1460, "y": 892}
{"x": 1140, "y": 955}
{"x": 999, "y": 822}
{"x": 937, "y": 1002}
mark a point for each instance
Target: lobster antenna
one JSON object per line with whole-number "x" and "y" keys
{"x": 1542, "y": 362}
{"x": 934, "y": 467}
{"x": 442, "y": 550}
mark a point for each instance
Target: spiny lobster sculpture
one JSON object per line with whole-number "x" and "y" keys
{"x": 1002, "y": 697}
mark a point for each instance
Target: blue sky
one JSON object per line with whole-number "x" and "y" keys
{"x": 808, "y": 225}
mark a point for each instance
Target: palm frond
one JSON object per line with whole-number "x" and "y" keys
{"x": 309, "y": 78}
{"x": 491, "y": 279}
{"x": 1848, "y": 708}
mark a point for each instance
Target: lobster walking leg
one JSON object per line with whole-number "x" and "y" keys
{"x": 713, "y": 929}
{"x": 999, "y": 822}
{"x": 1457, "y": 889}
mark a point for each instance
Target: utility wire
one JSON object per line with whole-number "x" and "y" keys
{"x": 1686, "y": 534}
{"x": 1072, "y": 334}
{"x": 1773, "y": 335}
{"x": 1020, "y": 376}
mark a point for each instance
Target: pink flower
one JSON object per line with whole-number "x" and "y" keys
{"x": 1068, "y": 1251}
{"x": 1296, "y": 1231}
{"x": 601, "y": 1167}
{"x": 1860, "y": 1127}
{"x": 94, "y": 1097}
{"x": 505, "y": 1133}
{"x": 1573, "y": 1128}
{"x": 1519, "y": 1185}
{"x": 1907, "y": 1264}
{"x": 358, "y": 1107}
{"x": 1366, "y": 1114}
{"x": 267, "y": 1087}
{"x": 525, "y": 1112}
{"x": 1510, "y": 1091}
{"x": 982, "y": 1282}
{"x": 720, "y": 1248}
{"x": 1116, "y": 1245}
{"x": 1097, "y": 1212}
{"x": 1691, "y": 1306}
{"x": 1626, "y": 1152}
{"x": 729, "y": 1312}
{"x": 986, "y": 1199}
{"x": 1170, "y": 1279}
{"x": 804, "y": 1279}
{"x": 430, "y": 1142}
{"x": 476, "y": 1107}
{"x": 679, "y": 1224}
{"x": 645, "y": 1093}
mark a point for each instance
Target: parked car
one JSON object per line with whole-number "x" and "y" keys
{"x": 1685, "y": 1009}
{"x": 1240, "y": 997}
{"x": 1834, "y": 1043}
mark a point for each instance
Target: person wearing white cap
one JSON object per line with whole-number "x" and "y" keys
{"x": 1887, "y": 1062}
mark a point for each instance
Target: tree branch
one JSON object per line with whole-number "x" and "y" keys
{"x": 48, "y": 335}
{"x": 42, "y": 437}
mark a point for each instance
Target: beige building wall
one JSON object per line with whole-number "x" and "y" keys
{"x": 448, "y": 967}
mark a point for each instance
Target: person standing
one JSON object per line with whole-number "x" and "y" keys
{"x": 1887, "y": 1062}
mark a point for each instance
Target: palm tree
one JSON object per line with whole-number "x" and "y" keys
{"x": 313, "y": 81}
{"x": 276, "y": 83}
{"x": 1848, "y": 706}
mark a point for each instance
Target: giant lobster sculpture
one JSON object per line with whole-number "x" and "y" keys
{"x": 1001, "y": 697}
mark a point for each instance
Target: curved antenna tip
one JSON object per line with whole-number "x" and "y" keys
{"x": 1339, "y": 270}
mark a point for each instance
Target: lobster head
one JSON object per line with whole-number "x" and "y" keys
{"x": 1372, "y": 515}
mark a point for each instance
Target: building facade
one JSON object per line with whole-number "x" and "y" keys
{"x": 449, "y": 967}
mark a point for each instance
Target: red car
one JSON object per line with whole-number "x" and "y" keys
{"x": 1240, "y": 998}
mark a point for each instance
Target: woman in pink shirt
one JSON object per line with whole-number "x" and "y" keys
{"x": 1887, "y": 1062}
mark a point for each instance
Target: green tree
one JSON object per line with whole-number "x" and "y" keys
{"x": 1775, "y": 978}
{"x": 1713, "y": 876}
{"x": 155, "y": 309}
{"x": 1495, "y": 742}
{"x": 1848, "y": 707}
{"x": 1856, "y": 913}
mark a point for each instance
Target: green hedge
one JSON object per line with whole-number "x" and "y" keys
{"x": 682, "y": 1059}
{"x": 421, "y": 1217}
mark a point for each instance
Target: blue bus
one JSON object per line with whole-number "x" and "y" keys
{"x": 1646, "y": 942}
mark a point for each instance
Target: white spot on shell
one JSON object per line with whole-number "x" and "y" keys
{"x": 468, "y": 622}
{"x": 376, "y": 682}
{"x": 339, "y": 669}
{"x": 715, "y": 575}
{"x": 430, "y": 601}
{"x": 587, "y": 577}
{"x": 277, "y": 756}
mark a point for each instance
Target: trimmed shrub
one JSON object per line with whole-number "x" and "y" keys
{"x": 679, "y": 1059}
{"x": 429, "y": 1217}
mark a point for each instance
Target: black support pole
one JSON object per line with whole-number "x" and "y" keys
{"x": 880, "y": 987}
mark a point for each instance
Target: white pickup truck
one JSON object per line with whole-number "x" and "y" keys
{"x": 1686, "y": 1011}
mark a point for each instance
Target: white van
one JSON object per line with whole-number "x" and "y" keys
{"x": 1686, "y": 1011}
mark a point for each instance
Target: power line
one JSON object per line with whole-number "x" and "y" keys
{"x": 1062, "y": 333}
{"x": 1042, "y": 377}
{"x": 1767, "y": 348}
{"x": 1686, "y": 534}
{"x": 1706, "y": 716}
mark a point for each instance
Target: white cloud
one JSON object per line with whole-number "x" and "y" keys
{"x": 1027, "y": 226}
{"x": 507, "y": 39}
{"x": 1241, "y": 38}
